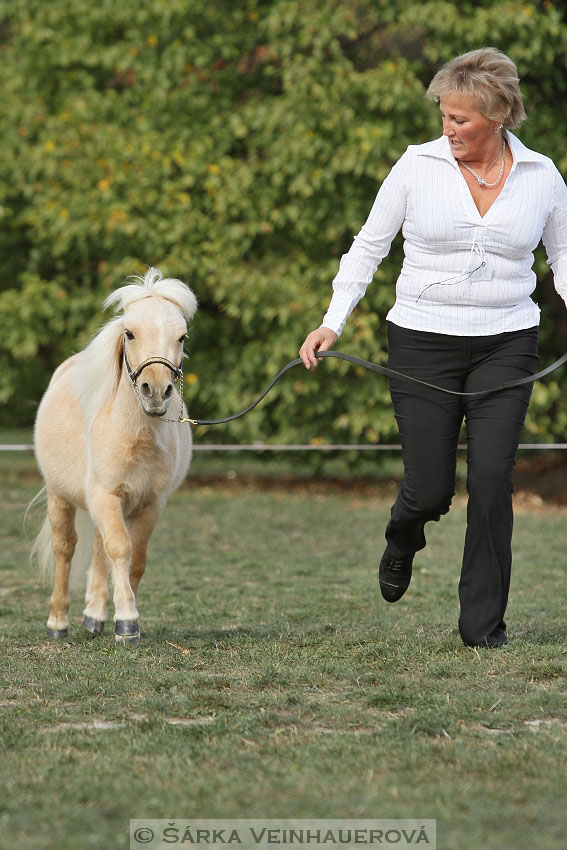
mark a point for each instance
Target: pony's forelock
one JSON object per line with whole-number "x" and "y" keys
{"x": 153, "y": 284}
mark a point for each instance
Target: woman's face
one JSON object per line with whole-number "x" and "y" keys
{"x": 471, "y": 135}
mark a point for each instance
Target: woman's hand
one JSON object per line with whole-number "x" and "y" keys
{"x": 320, "y": 340}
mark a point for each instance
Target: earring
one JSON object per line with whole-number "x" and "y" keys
{"x": 497, "y": 129}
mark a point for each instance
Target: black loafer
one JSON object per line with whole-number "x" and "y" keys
{"x": 394, "y": 575}
{"x": 494, "y": 640}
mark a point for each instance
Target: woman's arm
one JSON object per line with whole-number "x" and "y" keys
{"x": 555, "y": 235}
{"x": 370, "y": 246}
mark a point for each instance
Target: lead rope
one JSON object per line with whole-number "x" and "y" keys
{"x": 373, "y": 367}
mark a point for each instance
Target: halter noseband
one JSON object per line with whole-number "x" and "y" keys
{"x": 134, "y": 374}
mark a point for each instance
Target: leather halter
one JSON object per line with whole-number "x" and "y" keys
{"x": 134, "y": 374}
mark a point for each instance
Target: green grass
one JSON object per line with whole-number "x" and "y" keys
{"x": 273, "y": 681}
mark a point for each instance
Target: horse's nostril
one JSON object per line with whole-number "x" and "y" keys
{"x": 145, "y": 389}
{"x": 168, "y": 391}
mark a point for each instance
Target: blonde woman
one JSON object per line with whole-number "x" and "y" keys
{"x": 472, "y": 205}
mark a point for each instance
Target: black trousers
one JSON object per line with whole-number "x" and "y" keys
{"x": 429, "y": 422}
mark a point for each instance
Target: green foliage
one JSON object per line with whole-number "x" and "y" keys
{"x": 238, "y": 147}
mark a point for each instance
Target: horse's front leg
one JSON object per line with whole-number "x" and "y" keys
{"x": 141, "y": 526}
{"x": 63, "y": 541}
{"x": 107, "y": 513}
{"x": 96, "y": 596}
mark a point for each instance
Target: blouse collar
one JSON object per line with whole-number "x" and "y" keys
{"x": 440, "y": 149}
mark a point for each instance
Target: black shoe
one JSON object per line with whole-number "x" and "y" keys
{"x": 495, "y": 640}
{"x": 394, "y": 575}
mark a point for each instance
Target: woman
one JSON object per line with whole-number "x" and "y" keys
{"x": 472, "y": 206}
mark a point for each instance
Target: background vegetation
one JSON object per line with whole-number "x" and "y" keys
{"x": 237, "y": 146}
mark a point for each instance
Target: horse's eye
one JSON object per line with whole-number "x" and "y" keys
{"x": 182, "y": 339}
{"x": 129, "y": 334}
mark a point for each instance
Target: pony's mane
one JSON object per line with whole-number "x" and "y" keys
{"x": 101, "y": 361}
{"x": 151, "y": 284}
{"x": 100, "y": 367}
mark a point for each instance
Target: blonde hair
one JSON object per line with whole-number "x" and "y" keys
{"x": 490, "y": 78}
{"x": 153, "y": 284}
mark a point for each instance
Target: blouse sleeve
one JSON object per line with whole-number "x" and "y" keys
{"x": 369, "y": 247}
{"x": 555, "y": 235}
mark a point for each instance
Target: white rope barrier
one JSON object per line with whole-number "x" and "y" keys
{"x": 307, "y": 447}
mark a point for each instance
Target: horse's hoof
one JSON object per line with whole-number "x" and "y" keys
{"x": 127, "y": 632}
{"x": 127, "y": 640}
{"x": 57, "y": 633}
{"x": 95, "y": 627}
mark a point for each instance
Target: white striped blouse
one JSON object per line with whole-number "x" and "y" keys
{"x": 463, "y": 274}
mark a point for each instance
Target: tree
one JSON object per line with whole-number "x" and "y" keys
{"x": 238, "y": 147}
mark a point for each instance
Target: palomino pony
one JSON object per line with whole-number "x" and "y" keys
{"x": 108, "y": 454}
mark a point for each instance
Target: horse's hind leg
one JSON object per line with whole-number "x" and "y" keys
{"x": 61, "y": 515}
{"x": 96, "y": 595}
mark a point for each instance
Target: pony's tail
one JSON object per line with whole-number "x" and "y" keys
{"x": 83, "y": 552}
{"x": 42, "y": 554}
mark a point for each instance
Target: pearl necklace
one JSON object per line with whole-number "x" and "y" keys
{"x": 481, "y": 181}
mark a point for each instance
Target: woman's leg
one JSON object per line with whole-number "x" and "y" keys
{"x": 494, "y": 427}
{"x": 429, "y": 423}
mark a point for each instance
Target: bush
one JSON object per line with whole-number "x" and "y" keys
{"x": 238, "y": 147}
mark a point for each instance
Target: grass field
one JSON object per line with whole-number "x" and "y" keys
{"x": 272, "y": 681}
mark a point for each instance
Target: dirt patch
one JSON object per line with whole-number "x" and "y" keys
{"x": 545, "y": 477}
{"x": 539, "y": 482}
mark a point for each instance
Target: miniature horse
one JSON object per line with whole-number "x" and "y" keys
{"x": 106, "y": 451}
